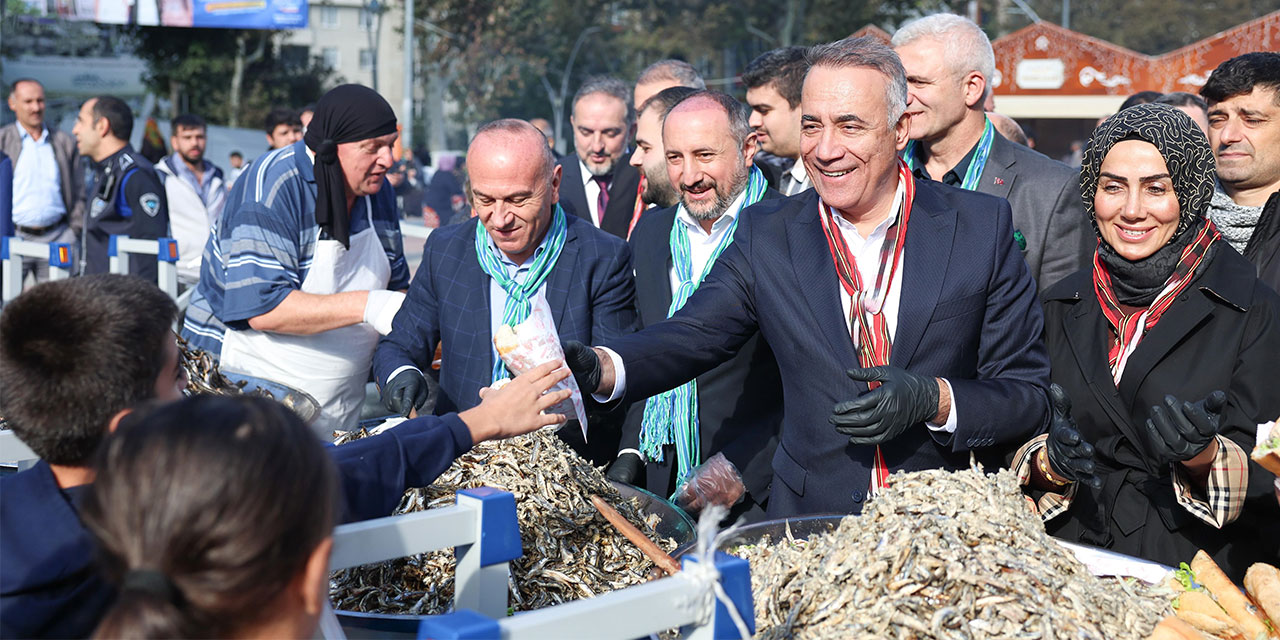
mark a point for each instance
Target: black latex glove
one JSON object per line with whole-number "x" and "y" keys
{"x": 407, "y": 390}
{"x": 625, "y": 468}
{"x": 1179, "y": 431}
{"x": 882, "y": 414}
{"x": 584, "y": 364}
{"x": 1069, "y": 455}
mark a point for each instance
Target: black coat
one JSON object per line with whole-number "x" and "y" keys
{"x": 622, "y": 193}
{"x": 739, "y": 402}
{"x": 1222, "y": 333}
{"x": 1263, "y": 249}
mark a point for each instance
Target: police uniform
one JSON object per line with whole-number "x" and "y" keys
{"x": 128, "y": 199}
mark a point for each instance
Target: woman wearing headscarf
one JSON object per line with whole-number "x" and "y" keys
{"x": 1163, "y": 356}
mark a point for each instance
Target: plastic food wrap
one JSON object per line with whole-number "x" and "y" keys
{"x": 532, "y": 343}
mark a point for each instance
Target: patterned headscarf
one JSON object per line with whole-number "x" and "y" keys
{"x": 1183, "y": 145}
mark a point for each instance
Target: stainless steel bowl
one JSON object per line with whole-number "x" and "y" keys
{"x": 301, "y": 402}
{"x": 673, "y": 523}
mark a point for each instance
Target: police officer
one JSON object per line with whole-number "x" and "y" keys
{"x": 128, "y": 198}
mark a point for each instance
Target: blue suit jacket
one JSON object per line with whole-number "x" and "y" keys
{"x": 968, "y": 313}
{"x": 591, "y": 293}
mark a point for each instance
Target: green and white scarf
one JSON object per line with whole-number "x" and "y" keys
{"x": 672, "y": 416}
{"x": 520, "y": 296}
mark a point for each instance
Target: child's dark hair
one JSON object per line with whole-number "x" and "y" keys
{"x": 205, "y": 511}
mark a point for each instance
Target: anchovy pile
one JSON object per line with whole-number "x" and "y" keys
{"x": 203, "y": 376}
{"x": 942, "y": 555}
{"x": 570, "y": 550}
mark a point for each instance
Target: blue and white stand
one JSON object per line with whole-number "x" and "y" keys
{"x": 684, "y": 600}
{"x": 481, "y": 527}
{"x": 13, "y": 250}
{"x": 165, "y": 250}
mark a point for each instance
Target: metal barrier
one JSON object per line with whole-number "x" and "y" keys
{"x": 13, "y": 250}
{"x": 164, "y": 249}
{"x": 13, "y": 451}
{"x": 677, "y": 601}
{"x": 415, "y": 230}
{"x": 481, "y": 526}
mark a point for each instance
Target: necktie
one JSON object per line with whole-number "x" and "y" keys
{"x": 602, "y": 200}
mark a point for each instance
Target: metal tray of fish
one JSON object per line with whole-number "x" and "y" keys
{"x": 1101, "y": 562}
{"x": 673, "y": 523}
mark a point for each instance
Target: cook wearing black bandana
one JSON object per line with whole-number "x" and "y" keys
{"x": 306, "y": 268}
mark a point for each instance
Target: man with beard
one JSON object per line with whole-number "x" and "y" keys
{"x": 596, "y": 186}
{"x": 196, "y": 193}
{"x": 903, "y": 319}
{"x": 728, "y": 417}
{"x": 649, "y": 156}
{"x": 657, "y": 77}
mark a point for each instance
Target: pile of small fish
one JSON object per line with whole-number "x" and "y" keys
{"x": 203, "y": 376}
{"x": 942, "y": 555}
{"x": 570, "y": 550}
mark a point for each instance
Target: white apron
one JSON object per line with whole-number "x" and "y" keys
{"x": 333, "y": 365}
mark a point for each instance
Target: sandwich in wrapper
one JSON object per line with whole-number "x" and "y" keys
{"x": 1267, "y": 453}
{"x": 1213, "y": 605}
{"x": 532, "y": 343}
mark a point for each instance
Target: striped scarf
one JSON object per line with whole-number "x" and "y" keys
{"x": 1130, "y": 329}
{"x": 520, "y": 295}
{"x": 671, "y": 417}
{"x": 867, "y": 305}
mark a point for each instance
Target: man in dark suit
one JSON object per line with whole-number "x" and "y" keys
{"x": 924, "y": 278}
{"x": 597, "y": 183}
{"x": 710, "y": 149}
{"x": 520, "y": 247}
{"x": 949, "y": 66}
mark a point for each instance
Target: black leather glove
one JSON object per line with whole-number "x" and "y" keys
{"x": 625, "y": 468}
{"x": 1069, "y": 455}
{"x": 584, "y": 364}
{"x": 1179, "y": 431}
{"x": 409, "y": 389}
{"x": 882, "y": 414}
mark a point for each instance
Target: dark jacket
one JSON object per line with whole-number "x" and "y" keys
{"x": 968, "y": 312}
{"x": 739, "y": 402}
{"x": 622, "y": 193}
{"x": 1263, "y": 249}
{"x": 1223, "y": 333}
{"x": 591, "y": 292}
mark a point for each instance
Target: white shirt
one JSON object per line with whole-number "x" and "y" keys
{"x": 592, "y": 189}
{"x": 498, "y": 296}
{"x": 701, "y": 243}
{"x": 867, "y": 254}
{"x": 37, "y": 185}
{"x": 799, "y": 179}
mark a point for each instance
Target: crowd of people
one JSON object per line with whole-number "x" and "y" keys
{"x": 771, "y": 306}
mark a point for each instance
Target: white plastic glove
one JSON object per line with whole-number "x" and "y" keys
{"x": 381, "y": 309}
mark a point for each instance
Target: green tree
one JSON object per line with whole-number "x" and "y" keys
{"x": 197, "y": 69}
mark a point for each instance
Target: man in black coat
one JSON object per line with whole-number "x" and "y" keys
{"x": 709, "y": 146}
{"x": 597, "y": 184}
{"x": 1244, "y": 130}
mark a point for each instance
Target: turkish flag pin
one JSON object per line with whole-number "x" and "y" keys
{"x": 999, "y": 180}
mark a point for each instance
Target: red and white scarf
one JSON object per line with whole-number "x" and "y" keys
{"x": 1129, "y": 329}
{"x": 866, "y": 309}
